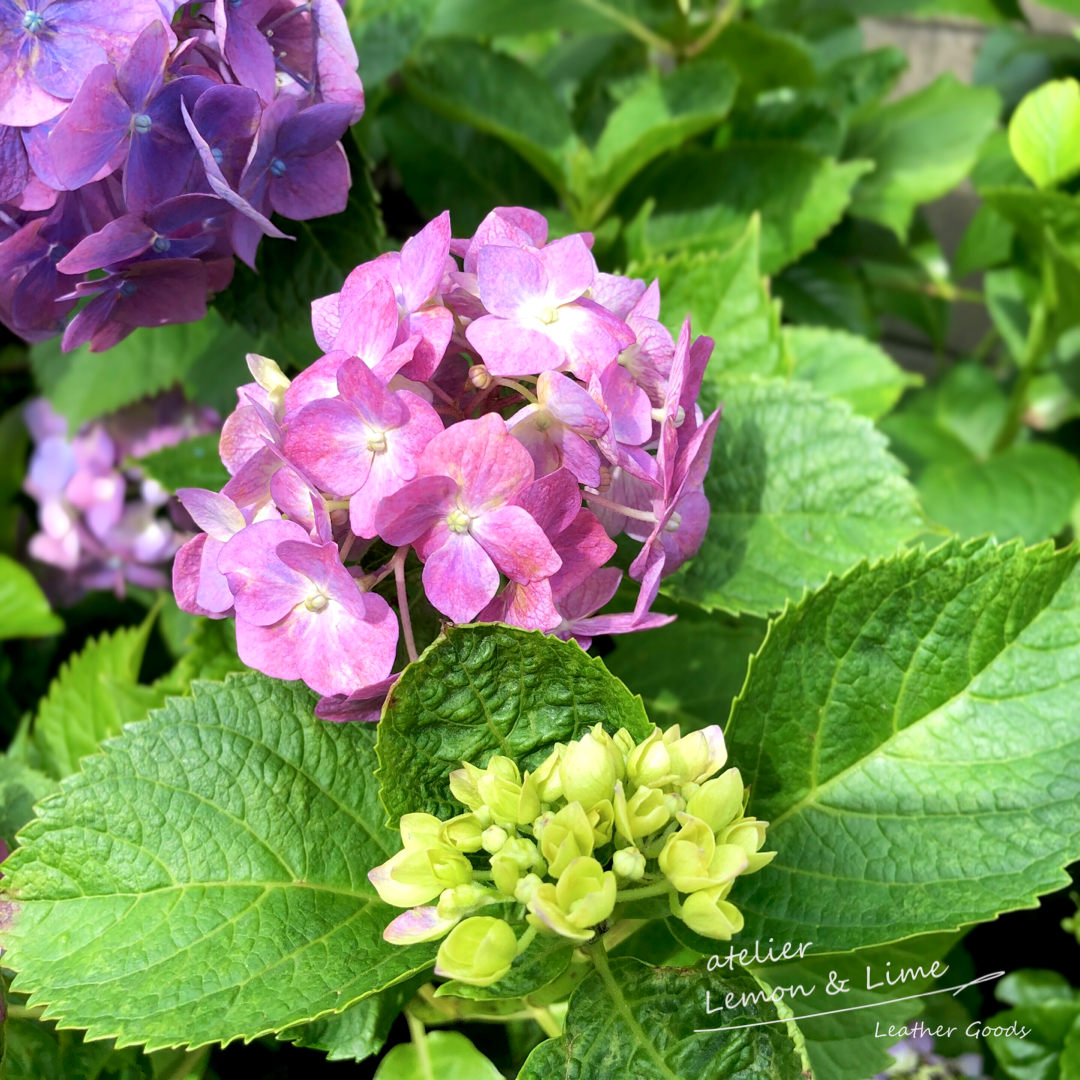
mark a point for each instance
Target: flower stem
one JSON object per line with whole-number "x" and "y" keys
{"x": 403, "y": 603}
{"x": 626, "y": 511}
{"x": 643, "y": 893}
{"x": 546, "y": 1021}
{"x": 725, "y": 12}
{"x": 623, "y": 929}
{"x": 419, "y": 1039}
{"x": 524, "y": 391}
{"x": 631, "y": 25}
{"x": 526, "y": 939}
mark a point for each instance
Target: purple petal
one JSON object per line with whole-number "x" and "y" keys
{"x": 459, "y": 577}
{"x": 165, "y": 291}
{"x": 216, "y": 514}
{"x": 584, "y": 547}
{"x": 572, "y": 404}
{"x": 553, "y": 501}
{"x": 406, "y": 515}
{"x": 570, "y": 269}
{"x": 313, "y": 131}
{"x": 14, "y": 167}
{"x": 516, "y": 544}
{"x": 335, "y": 58}
{"x": 423, "y": 261}
{"x": 227, "y": 117}
{"x": 140, "y": 75}
{"x": 175, "y": 214}
{"x": 265, "y": 588}
{"x": 63, "y": 61}
{"x": 88, "y": 321}
{"x": 364, "y": 704}
{"x": 95, "y": 124}
{"x": 511, "y": 280}
{"x": 620, "y": 294}
{"x": 509, "y": 349}
{"x": 246, "y": 48}
{"x": 125, "y": 238}
{"x": 312, "y": 187}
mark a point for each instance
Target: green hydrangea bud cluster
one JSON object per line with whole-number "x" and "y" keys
{"x": 602, "y": 821}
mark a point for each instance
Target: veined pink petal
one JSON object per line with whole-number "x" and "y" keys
{"x": 403, "y": 517}
{"x": 186, "y": 572}
{"x": 423, "y": 259}
{"x": 509, "y": 348}
{"x": 584, "y": 548}
{"x": 325, "y": 320}
{"x": 552, "y": 501}
{"x": 592, "y": 594}
{"x": 315, "y": 383}
{"x": 329, "y": 440}
{"x": 459, "y": 577}
{"x": 342, "y": 652}
{"x": 265, "y": 589}
{"x": 214, "y": 595}
{"x": 528, "y": 606}
{"x": 214, "y": 513}
{"x": 369, "y": 324}
{"x": 366, "y": 393}
{"x": 571, "y": 403}
{"x": 569, "y": 266}
{"x": 589, "y": 336}
{"x": 250, "y": 487}
{"x": 321, "y": 565}
{"x": 579, "y": 456}
{"x": 505, "y": 224}
{"x": 512, "y": 280}
{"x": 398, "y": 357}
{"x": 435, "y": 325}
{"x": 627, "y": 405}
{"x": 516, "y": 544}
{"x": 273, "y": 650}
{"x": 620, "y": 295}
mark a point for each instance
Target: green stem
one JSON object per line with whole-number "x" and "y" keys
{"x": 623, "y": 929}
{"x": 546, "y": 1021}
{"x": 643, "y": 893}
{"x": 632, "y": 26}
{"x": 526, "y": 939}
{"x": 1033, "y": 349}
{"x": 419, "y": 1040}
{"x": 725, "y": 12}
{"x": 513, "y": 384}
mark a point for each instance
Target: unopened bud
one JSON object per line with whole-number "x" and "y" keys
{"x": 478, "y": 951}
{"x": 526, "y": 888}
{"x": 480, "y": 377}
{"x": 674, "y": 803}
{"x": 493, "y": 839}
{"x": 269, "y": 376}
{"x": 629, "y": 864}
{"x": 605, "y": 480}
{"x": 541, "y": 823}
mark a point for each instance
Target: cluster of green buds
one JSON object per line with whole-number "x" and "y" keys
{"x": 601, "y": 822}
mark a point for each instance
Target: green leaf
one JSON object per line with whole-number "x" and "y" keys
{"x": 848, "y": 367}
{"x": 921, "y": 704}
{"x": 361, "y": 1030}
{"x": 38, "y": 1051}
{"x": 987, "y": 242}
{"x": 764, "y": 59}
{"x": 705, "y": 198}
{"x": 450, "y": 164}
{"x": 1029, "y": 986}
{"x": 726, "y": 298}
{"x": 495, "y": 93}
{"x": 541, "y": 963}
{"x": 1035, "y": 1055}
{"x": 20, "y": 788}
{"x": 192, "y": 463}
{"x": 821, "y": 290}
{"x": 489, "y": 18}
{"x": 82, "y": 385}
{"x": 211, "y": 650}
{"x": 205, "y": 878}
{"x": 799, "y": 488}
{"x": 630, "y": 1019}
{"x": 14, "y": 440}
{"x": 96, "y": 692}
{"x": 659, "y": 116}
{"x": 490, "y": 689}
{"x": 923, "y": 146}
{"x": 1027, "y": 491}
{"x": 24, "y": 611}
{"x": 384, "y": 33}
{"x": 1044, "y": 133}
{"x": 690, "y": 671}
{"x": 450, "y": 1054}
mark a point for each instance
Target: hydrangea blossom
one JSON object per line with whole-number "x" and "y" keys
{"x": 490, "y": 468}
{"x": 152, "y": 140}
{"x": 101, "y": 522}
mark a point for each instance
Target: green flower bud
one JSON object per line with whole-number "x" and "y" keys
{"x": 511, "y": 800}
{"x": 588, "y": 769}
{"x": 479, "y": 951}
{"x": 526, "y": 888}
{"x": 463, "y": 900}
{"x": 420, "y": 831}
{"x": 718, "y": 802}
{"x": 625, "y": 742}
{"x": 506, "y": 873}
{"x": 463, "y": 786}
{"x": 568, "y": 836}
{"x": 270, "y": 377}
{"x": 629, "y": 864}
{"x": 602, "y": 820}
{"x": 493, "y": 838}
{"x": 541, "y": 823}
{"x": 483, "y": 815}
{"x": 411, "y": 878}
{"x": 648, "y": 764}
{"x": 706, "y": 912}
{"x": 584, "y": 896}
{"x": 692, "y": 859}
{"x": 749, "y": 834}
{"x": 462, "y": 833}
{"x": 675, "y": 803}
{"x": 698, "y": 755}
{"x": 547, "y": 778}
{"x": 418, "y": 924}
{"x": 643, "y": 813}
{"x": 523, "y": 852}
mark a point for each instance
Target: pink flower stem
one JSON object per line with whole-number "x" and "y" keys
{"x": 626, "y": 511}
{"x": 439, "y": 392}
{"x": 403, "y": 602}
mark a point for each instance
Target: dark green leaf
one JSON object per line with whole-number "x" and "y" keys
{"x": 36, "y": 1050}
{"x": 488, "y": 18}
{"x": 987, "y": 242}
{"x": 799, "y": 488}
{"x": 192, "y": 463}
{"x": 20, "y": 788}
{"x": 820, "y": 290}
{"x": 490, "y": 689}
{"x": 24, "y": 611}
{"x": 630, "y": 1019}
{"x": 764, "y": 59}
{"x": 1036, "y": 1053}
{"x": 207, "y": 875}
{"x": 923, "y": 704}
{"x": 384, "y": 33}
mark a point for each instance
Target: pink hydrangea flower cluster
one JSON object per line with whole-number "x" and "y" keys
{"x": 504, "y": 417}
{"x": 144, "y": 143}
{"x": 101, "y": 522}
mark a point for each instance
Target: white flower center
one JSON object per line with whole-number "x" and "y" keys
{"x": 318, "y": 602}
{"x": 673, "y": 523}
{"x": 376, "y": 442}
{"x": 548, "y": 315}
{"x": 458, "y": 521}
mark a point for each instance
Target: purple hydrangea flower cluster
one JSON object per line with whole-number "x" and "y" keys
{"x": 916, "y": 1059}
{"x": 144, "y": 143}
{"x": 101, "y": 522}
{"x": 462, "y": 411}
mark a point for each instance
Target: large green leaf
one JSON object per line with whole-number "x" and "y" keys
{"x": 493, "y": 92}
{"x": 1027, "y": 491}
{"x": 659, "y": 116}
{"x": 822, "y": 290}
{"x": 192, "y": 463}
{"x": 384, "y": 33}
{"x": 705, "y": 198}
{"x": 96, "y": 692}
{"x": 1044, "y": 133}
{"x": 765, "y": 59}
{"x": 490, "y": 689}
{"x": 630, "y": 1019}
{"x": 848, "y": 367}
{"x": 909, "y": 731}
{"x": 24, "y": 611}
{"x": 726, "y": 298}
{"x": 799, "y": 488}
{"x": 923, "y": 146}
{"x": 487, "y": 18}
{"x": 205, "y": 878}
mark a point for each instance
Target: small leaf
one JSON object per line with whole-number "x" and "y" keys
{"x": 96, "y": 692}
{"x": 192, "y": 463}
{"x": 1028, "y": 491}
{"x": 1044, "y": 133}
{"x": 541, "y": 963}
{"x": 630, "y": 1019}
{"x": 799, "y": 488}
{"x": 24, "y": 611}
{"x": 205, "y": 878}
{"x": 923, "y": 146}
{"x": 450, "y": 1054}
{"x": 848, "y": 367}
{"x": 726, "y": 298}
{"x": 20, "y": 787}
{"x": 1029, "y": 986}
{"x": 490, "y": 689}
{"x": 36, "y": 1050}
{"x": 1051, "y": 1026}
{"x": 495, "y": 93}
{"x": 925, "y": 704}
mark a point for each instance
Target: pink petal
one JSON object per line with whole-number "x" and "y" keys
{"x": 570, "y": 269}
{"x": 321, "y": 565}
{"x": 381, "y": 482}
{"x": 265, "y": 589}
{"x": 216, "y": 514}
{"x": 251, "y": 485}
{"x": 366, "y": 393}
{"x": 329, "y": 440}
{"x": 369, "y": 323}
{"x": 269, "y": 649}
{"x": 579, "y": 456}
{"x": 516, "y": 544}
{"x": 397, "y": 358}
{"x": 435, "y": 325}
{"x": 242, "y": 436}
{"x": 627, "y": 405}
{"x": 527, "y": 606}
{"x": 592, "y": 594}
{"x": 214, "y": 595}
{"x": 459, "y": 577}
{"x": 341, "y": 652}
{"x": 315, "y": 383}
{"x": 364, "y": 704}
{"x": 589, "y": 337}
{"x": 292, "y": 495}
{"x": 423, "y": 259}
{"x": 534, "y": 428}
{"x": 568, "y": 400}
{"x": 620, "y": 295}
{"x": 511, "y": 279}
{"x": 187, "y": 567}
{"x": 584, "y": 547}
{"x": 404, "y": 516}
{"x": 553, "y": 501}
{"x": 325, "y": 320}
{"x": 510, "y": 349}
